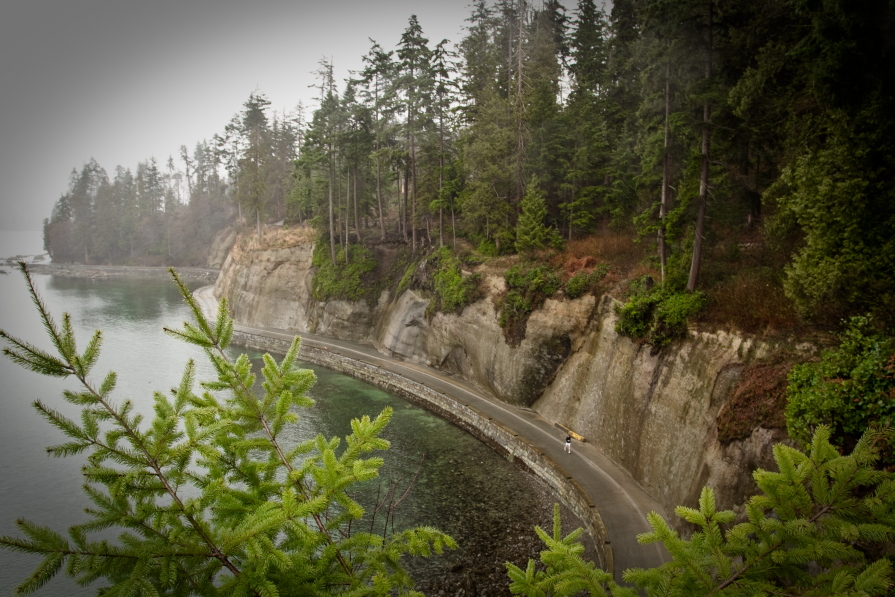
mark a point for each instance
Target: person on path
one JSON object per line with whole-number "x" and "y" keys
{"x": 568, "y": 447}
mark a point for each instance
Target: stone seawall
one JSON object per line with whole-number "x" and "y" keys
{"x": 503, "y": 440}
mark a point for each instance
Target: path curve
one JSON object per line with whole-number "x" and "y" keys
{"x": 618, "y": 504}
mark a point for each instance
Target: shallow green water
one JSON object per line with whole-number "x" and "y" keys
{"x": 462, "y": 487}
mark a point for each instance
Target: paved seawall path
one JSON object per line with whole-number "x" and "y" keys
{"x": 609, "y": 502}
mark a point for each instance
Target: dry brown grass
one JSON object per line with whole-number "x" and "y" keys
{"x": 276, "y": 237}
{"x": 743, "y": 280}
{"x": 617, "y": 248}
{"x": 759, "y": 400}
{"x": 750, "y": 302}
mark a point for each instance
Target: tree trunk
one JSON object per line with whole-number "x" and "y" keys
{"x": 666, "y": 167}
{"x": 332, "y": 224}
{"x": 413, "y": 223}
{"x": 520, "y": 141}
{"x": 404, "y": 215}
{"x": 347, "y": 242}
{"x": 440, "y": 176}
{"x": 356, "y": 218}
{"x": 704, "y": 174}
{"x": 453, "y": 226}
{"x": 379, "y": 194}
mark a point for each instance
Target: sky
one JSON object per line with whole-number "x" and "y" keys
{"x": 125, "y": 80}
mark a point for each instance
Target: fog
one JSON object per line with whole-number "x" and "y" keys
{"x": 123, "y": 81}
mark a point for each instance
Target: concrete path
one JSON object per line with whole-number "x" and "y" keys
{"x": 622, "y": 503}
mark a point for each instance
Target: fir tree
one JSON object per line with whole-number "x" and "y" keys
{"x": 209, "y": 499}
{"x": 816, "y": 528}
{"x": 531, "y": 231}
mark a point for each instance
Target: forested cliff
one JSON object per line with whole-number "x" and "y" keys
{"x": 667, "y": 225}
{"x": 667, "y": 417}
{"x": 722, "y": 163}
{"x": 703, "y": 127}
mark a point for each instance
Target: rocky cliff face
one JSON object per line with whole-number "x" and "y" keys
{"x": 220, "y": 247}
{"x": 653, "y": 413}
{"x": 656, "y": 414}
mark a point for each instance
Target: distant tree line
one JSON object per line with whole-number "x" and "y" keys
{"x": 170, "y": 215}
{"x": 696, "y": 125}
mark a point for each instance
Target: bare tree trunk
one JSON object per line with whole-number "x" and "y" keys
{"x": 399, "y": 221}
{"x": 379, "y": 194}
{"x": 704, "y": 174}
{"x": 332, "y": 223}
{"x": 666, "y": 167}
{"x": 413, "y": 222}
{"x": 356, "y": 218}
{"x": 453, "y": 226}
{"x": 406, "y": 185}
{"x": 440, "y": 177}
{"x": 347, "y": 241}
{"x": 520, "y": 141}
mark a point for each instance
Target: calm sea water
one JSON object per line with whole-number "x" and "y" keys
{"x": 459, "y": 475}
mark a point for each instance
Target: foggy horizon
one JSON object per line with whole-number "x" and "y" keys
{"x": 125, "y": 83}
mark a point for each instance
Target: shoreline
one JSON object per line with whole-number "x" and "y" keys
{"x": 611, "y": 506}
{"x": 75, "y": 270}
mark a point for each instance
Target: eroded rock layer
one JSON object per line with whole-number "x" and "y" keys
{"x": 654, "y": 413}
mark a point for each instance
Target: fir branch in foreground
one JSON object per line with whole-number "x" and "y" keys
{"x": 207, "y": 498}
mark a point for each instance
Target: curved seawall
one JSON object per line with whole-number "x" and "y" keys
{"x": 459, "y": 404}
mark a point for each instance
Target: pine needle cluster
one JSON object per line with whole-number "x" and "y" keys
{"x": 207, "y": 498}
{"x": 817, "y": 528}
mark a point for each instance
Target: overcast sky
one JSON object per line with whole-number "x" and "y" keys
{"x": 125, "y": 80}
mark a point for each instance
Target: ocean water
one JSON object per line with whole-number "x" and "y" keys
{"x": 461, "y": 486}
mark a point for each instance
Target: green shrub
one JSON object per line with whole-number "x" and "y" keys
{"x": 406, "y": 279}
{"x": 849, "y": 389}
{"x": 453, "y": 290}
{"x": 635, "y": 317}
{"x": 533, "y": 279}
{"x": 487, "y": 248}
{"x": 529, "y": 286}
{"x": 583, "y": 282}
{"x": 514, "y": 308}
{"x": 657, "y": 316}
{"x": 342, "y": 280}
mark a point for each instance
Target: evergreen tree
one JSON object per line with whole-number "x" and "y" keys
{"x": 209, "y": 499}
{"x": 815, "y": 529}
{"x": 377, "y": 78}
{"x": 585, "y": 118}
{"x": 532, "y": 233}
{"x": 415, "y": 81}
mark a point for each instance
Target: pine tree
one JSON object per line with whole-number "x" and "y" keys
{"x": 532, "y": 233}
{"x": 415, "y": 80}
{"x": 816, "y": 528}
{"x": 209, "y": 499}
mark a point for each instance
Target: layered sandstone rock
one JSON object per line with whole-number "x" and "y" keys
{"x": 655, "y": 414}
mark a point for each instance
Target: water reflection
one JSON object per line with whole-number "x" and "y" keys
{"x": 463, "y": 488}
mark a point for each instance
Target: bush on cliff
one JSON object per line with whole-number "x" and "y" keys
{"x": 344, "y": 280}
{"x": 584, "y": 281}
{"x": 656, "y": 315}
{"x": 207, "y": 498}
{"x": 848, "y": 389}
{"x": 529, "y": 285}
{"x": 818, "y": 527}
{"x": 453, "y": 289}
